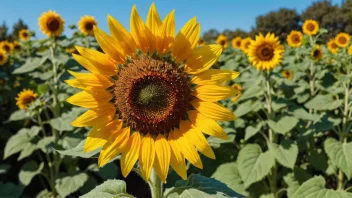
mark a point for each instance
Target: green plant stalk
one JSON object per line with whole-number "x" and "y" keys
{"x": 156, "y": 185}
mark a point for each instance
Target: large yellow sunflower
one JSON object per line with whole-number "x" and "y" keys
{"x": 316, "y": 52}
{"x": 310, "y": 27}
{"x": 245, "y": 44}
{"x": 86, "y": 24}
{"x": 333, "y": 48}
{"x": 265, "y": 52}
{"x": 342, "y": 39}
{"x": 151, "y": 94}
{"x": 222, "y": 40}
{"x": 51, "y": 23}
{"x": 24, "y": 35}
{"x": 3, "y": 57}
{"x": 236, "y": 42}
{"x": 6, "y": 46}
{"x": 25, "y": 97}
{"x": 294, "y": 39}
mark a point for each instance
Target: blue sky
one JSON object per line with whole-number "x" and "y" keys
{"x": 218, "y": 14}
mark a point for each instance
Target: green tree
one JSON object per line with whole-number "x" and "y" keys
{"x": 17, "y": 27}
{"x": 3, "y": 31}
{"x": 210, "y": 35}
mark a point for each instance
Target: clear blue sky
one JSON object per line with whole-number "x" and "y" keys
{"x": 218, "y": 14}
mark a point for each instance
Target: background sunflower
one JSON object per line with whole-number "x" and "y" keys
{"x": 51, "y": 23}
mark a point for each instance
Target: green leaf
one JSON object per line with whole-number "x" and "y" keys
{"x": 315, "y": 187}
{"x": 253, "y": 164}
{"x": 284, "y": 124}
{"x": 228, "y": 174}
{"x": 109, "y": 189}
{"x": 44, "y": 194}
{"x": 340, "y": 155}
{"x": 251, "y": 92}
{"x": 4, "y": 168}
{"x": 251, "y": 131}
{"x": 109, "y": 171}
{"x": 292, "y": 184}
{"x": 200, "y": 186}
{"x": 323, "y": 102}
{"x": 44, "y": 143}
{"x": 304, "y": 115}
{"x": 19, "y": 115}
{"x": 318, "y": 159}
{"x": 285, "y": 153}
{"x": 70, "y": 184}
{"x": 267, "y": 196}
{"x": 11, "y": 190}
{"x": 30, "y": 65}
{"x": 28, "y": 171}
{"x": 21, "y": 142}
{"x": 42, "y": 89}
{"x": 78, "y": 151}
{"x": 63, "y": 123}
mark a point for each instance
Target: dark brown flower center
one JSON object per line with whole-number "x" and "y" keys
{"x": 265, "y": 52}
{"x": 201, "y": 41}
{"x": 25, "y": 34}
{"x": 342, "y": 40}
{"x": 310, "y": 27}
{"x": 2, "y": 57}
{"x": 17, "y": 47}
{"x": 222, "y": 42}
{"x": 6, "y": 48}
{"x": 27, "y": 100}
{"x": 53, "y": 24}
{"x": 88, "y": 26}
{"x": 316, "y": 53}
{"x": 238, "y": 43}
{"x": 152, "y": 95}
{"x": 296, "y": 39}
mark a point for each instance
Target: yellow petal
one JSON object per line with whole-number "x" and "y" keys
{"x": 75, "y": 83}
{"x": 130, "y": 154}
{"x": 146, "y": 156}
{"x": 206, "y": 125}
{"x": 203, "y": 58}
{"x": 154, "y": 24}
{"x": 214, "y": 76}
{"x": 162, "y": 157}
{"x": 177, "y": 160}
{"x": 109, "y": 45}
{"x": 96, "y": 117}
{"x": 186, "y": 40}
{"x": 122, "y": 36}
{"x": 140, "y": 33}
{"x": 99, "y": 135}
{"x": 187, "y": 149}
{"x": 92, "y": 80}
{"x": 90, "y": 98}
{"x": 195, "y": 137}
{"x": 95, "y": 62}
{"x": 166, "y": 34}
{"x": 213, "y": 110}
{"x": 114, "y": 146}
{"x": 236, "y": 97}
{"x": 213, "y": 93}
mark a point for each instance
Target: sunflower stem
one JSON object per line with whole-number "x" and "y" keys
{"x": 156, "y": 188}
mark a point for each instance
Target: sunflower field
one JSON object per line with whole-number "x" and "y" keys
{"x": 145, "y": 111}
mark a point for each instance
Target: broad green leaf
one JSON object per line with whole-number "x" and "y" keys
{"x": 63, "y": 123}
{"x": 200, "y": 186}
{"x": 251, "y": 92}
{"x": 292, "y": 184}
{"x": 253, "y": 164}
{"x": 318, "y": 159}
{"x": 228, "y": 174}
{"x": 30, "y": 65}
{"x": 44, "y": 194}
{"x": 315, "y": 188}
{"x": 304, "y": 115}
{"x": 44, "y": 143}
{"x": 251, "y": 131}
{"x": 19, "y": 115}
{"x": 28, "y": 171}
{"x": 285, "y": 153}
{"x": 283, "y": 125}
{"x": 42, "y": 89}
{"x": 109, "y": 189}
{"x": 78, "y": 151}
{"x": 10, "y": 190}
{"x": 70, "y": 184}
{"x": 323, "y": 102}
{"x": 340, "y": 155}
{"x": 4, "y": 168}
{"x": 267, "y": 196}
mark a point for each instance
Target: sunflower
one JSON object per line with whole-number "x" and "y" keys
{"x": 152, "y": 105}
{"x": 201, "y": 42}
{"x": 287, "y": 74}
{"x": 86, "y": 24}
{"x": 239, "y": 90}
{"x": 245, "y": 44}
{"x": 316, "y": 52}
{"x": 51, "y": 23}
{"x": 265, "y": 52}
{"x": 24, "y": 35}
{"x": 350, "y": 50}
{"x": 294, "y": 39}
{"x": 342, "y": 39}
{"x": 222, "y": 40}
{"x": 3, "y": 57}
{"x": 6, "y": 46}
{"x": 25, "y": 97}
{"x": 236, "y": 42}
{"x": 310, "y": 27}
{"x": 16, "y": 46}
{"x": 333, "y": 48}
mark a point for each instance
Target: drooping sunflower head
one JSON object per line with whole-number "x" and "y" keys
{"x": 245, "y": 44}
{"x": 236, "y": 42}
{"x": 51, "y": 23}
{"x": 16, "y": 46}
{"x": 6, "y": 46}
{"x": 342, "y": 39}
{"x": 310, "y": 27}
{"x": 3, "y": 57}
{"x": 24, "y": 35}
{"x": 201, "y": 42}
{"x": 350, "y": 50}
{"x": 332, "y": 46}
{"x": 222, "y": 40}
{"x": 265, "y": 52}
{"x": 316, "y": 52}
{"x": 152, "y": 105}
{"x": 86, "y": 25}
{"x": 25, "y": 97}
{"x": 287, "y": 74}
{"x": 294, "y": 39}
